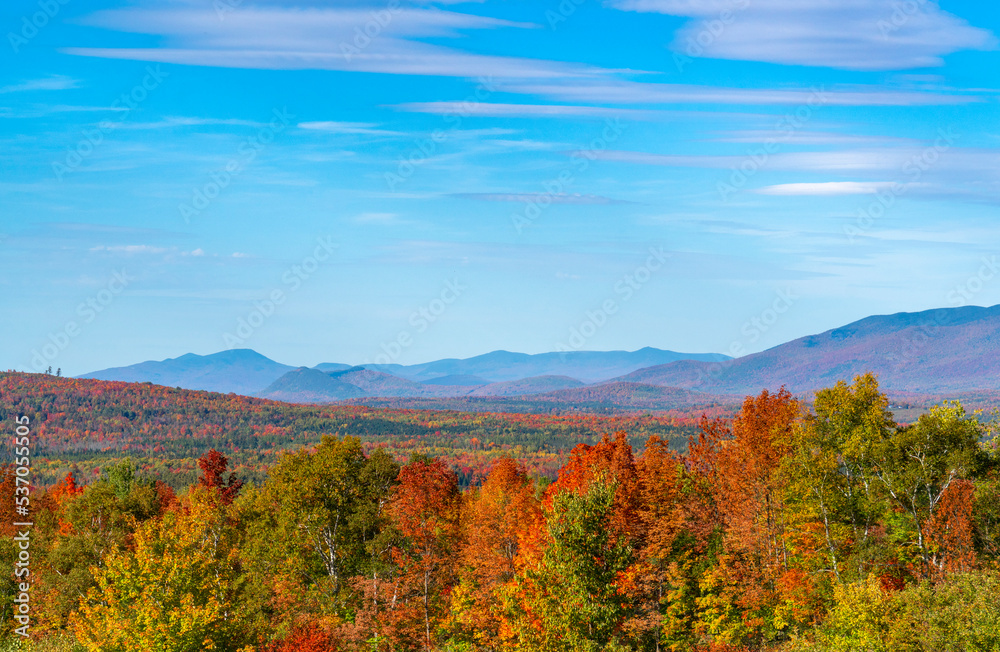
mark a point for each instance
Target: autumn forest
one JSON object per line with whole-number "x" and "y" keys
{"x": 174, "y": 520}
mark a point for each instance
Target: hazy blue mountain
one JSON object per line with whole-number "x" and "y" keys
{"x": 304, "y": 385}
{"x": 242, "y": 371}
{"x": 526, "y": 386}
{"x": 587, "y": 366}
{"x": 941, "y": 350}
{"x": 459, "y": 380}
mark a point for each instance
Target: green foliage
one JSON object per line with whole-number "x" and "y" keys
{"x": 578, "y": 603}
{"x": 179, "y": 589}
{"x": 960, "y": 614}
{"x": 121, "y": 477}
{"x": 318, "y": 521}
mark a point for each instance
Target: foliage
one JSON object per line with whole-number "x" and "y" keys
{"x": 835, "y": 529}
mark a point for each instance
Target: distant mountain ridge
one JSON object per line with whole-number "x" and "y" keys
{"x": 933, "y": 351}
{"x": 586, "y": 366}
{"x": 242, "y": 371}
{"x": 939, "y": 351}
{"x": 245, "y": 371}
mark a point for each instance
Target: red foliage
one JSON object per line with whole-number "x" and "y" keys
{"x": 310, "y": 638}
{"x": 213, "y": 466}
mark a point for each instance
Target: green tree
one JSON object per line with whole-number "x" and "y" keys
{"x": 572, "y": 601}
{"x": 316, "y": 523}
{"x": 178, "y": 590}
{"x": 916, "y": 466}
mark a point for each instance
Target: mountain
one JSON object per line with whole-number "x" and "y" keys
{"x": 304, "y": 385}
{"x": 525, "y": 386}
{"x": 941, "y": 350}
{"x": 242, "y": 371}
{"x": 461, "y": 380}
{"x": 377, "y": 383}
{"x": 247, "y": 372}
{"x": 587, "y": 366}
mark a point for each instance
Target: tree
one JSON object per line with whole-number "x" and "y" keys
{"x": 749, "y": 493}
{"x": 213, "y": 467}
{"x": 830, "y": 484}
{"x": 177, "y": 590}
{"x": 573, "y": 601}
{"x": 317, "y": 525}
{"x": 916, "y": 466}
{"x": 495, "y": 517}
{"x": 425, "y": 508}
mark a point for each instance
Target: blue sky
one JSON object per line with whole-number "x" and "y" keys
{"x": 405, "y": 181}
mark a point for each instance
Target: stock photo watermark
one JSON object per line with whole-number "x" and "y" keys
{"x": 420, "y": 320}
{"x": 93, "y": 138}
{"x": 22, "y": 539}
{"x": 751, "y": 330}
{"x": 425, "y": 148}
{"x": 913, "y": 169}
{"x": 757, "y": 159}
{"x": 710, "y": 32}
{"x": 33, "y": 24}
{"x": 624, "y": 289}
{"x": 292, "y": 279}
{"x": 902, "y": 12}
{"x": 365, "y": 34}
{"x": 246, "y": 153}
{"x": 556, "y": 187}
{"x": 88, "y": 311}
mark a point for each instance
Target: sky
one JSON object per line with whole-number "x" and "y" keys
{"x": 405, "y": 180}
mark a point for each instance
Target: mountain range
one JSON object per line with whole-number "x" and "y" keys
{"x": 500, "y": 373}
{"x": 934, "y": 351}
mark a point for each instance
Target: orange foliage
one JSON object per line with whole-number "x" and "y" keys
{"x": 950, "y": 529}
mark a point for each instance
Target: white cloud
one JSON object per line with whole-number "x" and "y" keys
{"x": 485, "y": 109}
{"x": 826, "y": 188}
{"x": 846, "y": 34}
{"x": 130, "y": 249}
{"x": 170, "y": 122}
{"x": 319, "y": 38}
{"x": 53, "y": 83}
{"x": 349, "y": 128}
{"x": 558, "y": 198}
{"x": 628, "y": 92}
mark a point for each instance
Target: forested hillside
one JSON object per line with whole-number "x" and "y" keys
{"x": 781, "y": 529}
{"x": 85, "y": 425}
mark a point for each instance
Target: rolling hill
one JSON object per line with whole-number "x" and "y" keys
{"x": 304, "y": 385}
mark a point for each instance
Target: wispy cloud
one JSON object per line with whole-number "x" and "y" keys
{"x": 170, "y": 122}
{"x": 847, "y": 161}
{"x": 826, "y": 188}
{"x": 494, "y": 110}
{"x": 848, "y": 34}
{"x": 321, "y": 39}
{"x": 52, "y": 83}
{"x": 608, "y": 91}
{"x": 525, "y": 197}
{"x": 130, "y": 249}
{"x": 349, "y": 128}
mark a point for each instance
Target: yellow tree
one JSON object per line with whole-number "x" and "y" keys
{"x": 176, "y": 591}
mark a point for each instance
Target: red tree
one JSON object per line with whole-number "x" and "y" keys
{"x": 213, "y": 467}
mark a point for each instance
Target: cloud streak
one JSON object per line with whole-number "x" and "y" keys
{"x": 847, "y": 34}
